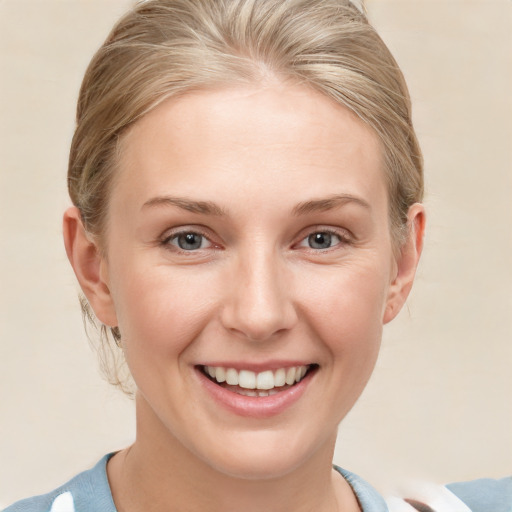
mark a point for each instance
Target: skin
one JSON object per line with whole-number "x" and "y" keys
{"x": 256, "y": 291}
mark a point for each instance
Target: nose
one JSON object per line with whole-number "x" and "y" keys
{"x": 259, "y": 303}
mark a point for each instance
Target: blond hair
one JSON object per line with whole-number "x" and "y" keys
{"x": 164, "y": 48}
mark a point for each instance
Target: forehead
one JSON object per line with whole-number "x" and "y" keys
{"x": 288, "y": 138}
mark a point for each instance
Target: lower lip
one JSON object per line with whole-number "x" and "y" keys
{"x": 254, "y": 406}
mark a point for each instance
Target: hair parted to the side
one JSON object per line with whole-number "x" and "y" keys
{"x": 164, "y": 48}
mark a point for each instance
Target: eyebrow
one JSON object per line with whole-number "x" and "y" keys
{"x": 328, "y": 203}
{"x": 202, "y": 207}
{"x": 211, "y": 208}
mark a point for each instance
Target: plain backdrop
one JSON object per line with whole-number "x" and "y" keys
{"x": 439, "y": 404}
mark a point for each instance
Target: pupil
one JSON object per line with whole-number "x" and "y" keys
{"x": 320, "y": 240}
{"x": 189, "y": 241}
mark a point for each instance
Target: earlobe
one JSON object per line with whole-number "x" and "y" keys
{"x": 406, "y": 263}
{"x": 89, "y": 266}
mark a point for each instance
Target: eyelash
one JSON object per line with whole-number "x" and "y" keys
{"x": 343, "y": 239}
{"x": 167, "y": 240}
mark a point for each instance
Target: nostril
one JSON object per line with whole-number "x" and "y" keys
{"x": 256, "y": 327}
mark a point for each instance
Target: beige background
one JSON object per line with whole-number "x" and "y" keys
{"x": 439, "y": 404}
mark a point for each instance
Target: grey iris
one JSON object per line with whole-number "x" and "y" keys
{"x": 189, "y": 241}
{"x": 320, "y": 240}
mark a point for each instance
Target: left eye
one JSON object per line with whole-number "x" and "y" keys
{"x": 189, "y": 241}
{"x": 321, "y": 240}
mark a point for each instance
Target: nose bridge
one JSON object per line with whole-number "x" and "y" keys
{"x": 260, "y": 304}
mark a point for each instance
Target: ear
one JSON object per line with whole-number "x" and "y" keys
{"x": 406, "y": 262}
{"x": 90, "y": 267}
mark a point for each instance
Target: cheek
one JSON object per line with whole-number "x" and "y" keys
{"x": 345, "y": 314}
{"x": 160, "y": 311}
{"x": 346, "y": 309}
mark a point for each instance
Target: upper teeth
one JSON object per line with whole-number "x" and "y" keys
{"x": 250, "y": 380}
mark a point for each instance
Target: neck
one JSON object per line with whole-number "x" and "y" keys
{"x": 157, "y": 473}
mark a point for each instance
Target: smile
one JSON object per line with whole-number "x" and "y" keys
{"x": 249, "y": 383}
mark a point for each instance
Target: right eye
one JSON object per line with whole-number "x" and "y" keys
{"x": 188, "y": 241}
{"x": 323, "y": 240}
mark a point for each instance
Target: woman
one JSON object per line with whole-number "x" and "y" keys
{"x": 247, "y": 188}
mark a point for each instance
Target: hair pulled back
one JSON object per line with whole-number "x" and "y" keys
{"x": 164, "y": 48}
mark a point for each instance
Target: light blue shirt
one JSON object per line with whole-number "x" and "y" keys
{"x": 90, "y": 492}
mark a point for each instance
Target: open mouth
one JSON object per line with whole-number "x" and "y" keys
{"x": 260, "y": 384}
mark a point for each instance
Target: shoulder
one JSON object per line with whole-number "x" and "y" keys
{"x": 485, "y": 494}
{"x": 369, "y": 499}
{"x": 86, "y": 492}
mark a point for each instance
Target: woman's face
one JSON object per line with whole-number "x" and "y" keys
{"x": 247, "y": 235}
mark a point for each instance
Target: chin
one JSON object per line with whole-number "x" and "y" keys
{"x": 257, "y": 468}
{"x": 266, "y": 455}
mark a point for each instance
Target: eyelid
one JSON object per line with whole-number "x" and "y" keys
{"x": 172, "y": 233}
{"x": 344, "y": 235}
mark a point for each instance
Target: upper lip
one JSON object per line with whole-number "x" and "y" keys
{"x": 256, "y": 366}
